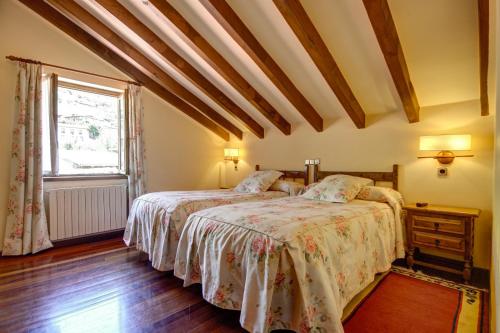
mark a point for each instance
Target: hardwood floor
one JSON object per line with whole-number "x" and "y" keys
{"x": 101, "y": 287}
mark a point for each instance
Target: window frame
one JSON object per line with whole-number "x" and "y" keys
{"x": 121, "y": 95}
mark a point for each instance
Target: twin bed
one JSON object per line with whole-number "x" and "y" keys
{"x": 291, "y": 262}
{"x": 157, "y": 219}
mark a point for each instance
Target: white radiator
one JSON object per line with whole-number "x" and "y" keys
{"x": 75, "y": 212}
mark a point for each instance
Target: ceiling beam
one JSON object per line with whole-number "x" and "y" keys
{"x": 91, "y": 43}
{"x": 387, "y": 36}
{"x": 202, "y": 48}
{"x": 172, "y": 57}
{"x": 93, "y": 26}
{"x": 298, "y": 20}
{"x": 484, "y": 32}
{"x": 233, "y": 25}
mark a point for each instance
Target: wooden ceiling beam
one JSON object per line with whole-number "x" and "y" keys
{"x": 387, "y": 36}
{"x": 200, "y": 45}
{"x": 93, "y": 25}
{"x": 298, "y": 20}
{"x": 73, "y": 30}
{"x": 484, "y": 35}
{"x": 233, "y": 25}
{"x": 178, "y": 62}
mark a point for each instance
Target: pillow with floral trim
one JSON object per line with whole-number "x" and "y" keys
{"x": 379, "y": 194}
{"x": 258, "y": 181}
{"x": 308, "y": 187}
{"x": 362, "y": 181}
{"x": 287, "y": 186}
{"x": 337, "y": 188}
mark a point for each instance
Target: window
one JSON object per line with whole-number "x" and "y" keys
{"x": 87, "y": 124}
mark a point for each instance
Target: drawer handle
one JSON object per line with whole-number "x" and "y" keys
{"x": 437, "y": 241}
{"x": 436, "y": 225}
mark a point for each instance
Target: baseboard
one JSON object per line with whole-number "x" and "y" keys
{"x": 480, "y": 276}
{"x": 89, "y": 238}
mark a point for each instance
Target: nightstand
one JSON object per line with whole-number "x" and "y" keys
{"x": 443, "y": 229}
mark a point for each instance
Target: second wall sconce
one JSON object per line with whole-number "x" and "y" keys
{"x": 232, "y": 154}
{"x": 445, "y": 145}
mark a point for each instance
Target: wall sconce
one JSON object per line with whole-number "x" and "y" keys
{"x": 232, "y": 154}
{"x": 445, "y": 144}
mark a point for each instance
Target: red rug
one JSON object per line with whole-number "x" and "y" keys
{"x": 416, "y": 303}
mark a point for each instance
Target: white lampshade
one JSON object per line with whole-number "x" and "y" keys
{"x": 445, "y": 142}
{"x": 231, "y": 152}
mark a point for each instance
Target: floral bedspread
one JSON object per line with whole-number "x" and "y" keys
{"x": 290, "y": 263}
{"x": 156, "y": 219}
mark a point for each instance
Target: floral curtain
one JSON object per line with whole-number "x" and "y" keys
{"x": 26, "y": 228}
{"x": 136, "y": 152}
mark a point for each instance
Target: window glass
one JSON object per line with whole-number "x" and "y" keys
{"x": 89, "y": 131}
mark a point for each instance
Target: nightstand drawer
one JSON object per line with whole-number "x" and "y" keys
{"x": 439, "y": 241}
{"x": 438, "y": 224}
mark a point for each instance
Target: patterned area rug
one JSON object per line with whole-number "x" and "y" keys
{"x": 411, "y": 302}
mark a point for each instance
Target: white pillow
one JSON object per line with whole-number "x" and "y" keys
{"x": 292, "y": 188}
{"x": 337, "y": 188}
{"x": 258, "y": 181}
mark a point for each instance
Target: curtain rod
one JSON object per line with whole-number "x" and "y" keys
{"x": 31, "y": 61}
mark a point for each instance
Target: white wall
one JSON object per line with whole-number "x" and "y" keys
{"x": 495, "y": 251}
{"x": 494, "y": 92}
{"x": 181, "y": 154}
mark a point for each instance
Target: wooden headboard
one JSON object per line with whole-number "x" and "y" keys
{"x": 377, "y": 176}
{"x": 292, "y": 174}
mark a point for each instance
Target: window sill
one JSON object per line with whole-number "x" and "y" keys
{"x": 83, "y": 177}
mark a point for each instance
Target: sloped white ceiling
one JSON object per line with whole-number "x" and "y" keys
{"x": 439, "y": 39}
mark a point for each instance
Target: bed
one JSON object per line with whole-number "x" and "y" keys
{"x": 292, "y": 263}
{"x": 156, "y": 219}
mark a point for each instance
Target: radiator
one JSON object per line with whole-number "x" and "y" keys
{"x": 75, "y": 212}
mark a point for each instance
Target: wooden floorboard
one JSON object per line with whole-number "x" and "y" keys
{"x": 14, "y": 263}
{"x": 101, "y": 287}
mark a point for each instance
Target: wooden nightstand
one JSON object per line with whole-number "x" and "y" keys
{"x": 441, "y": 228}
